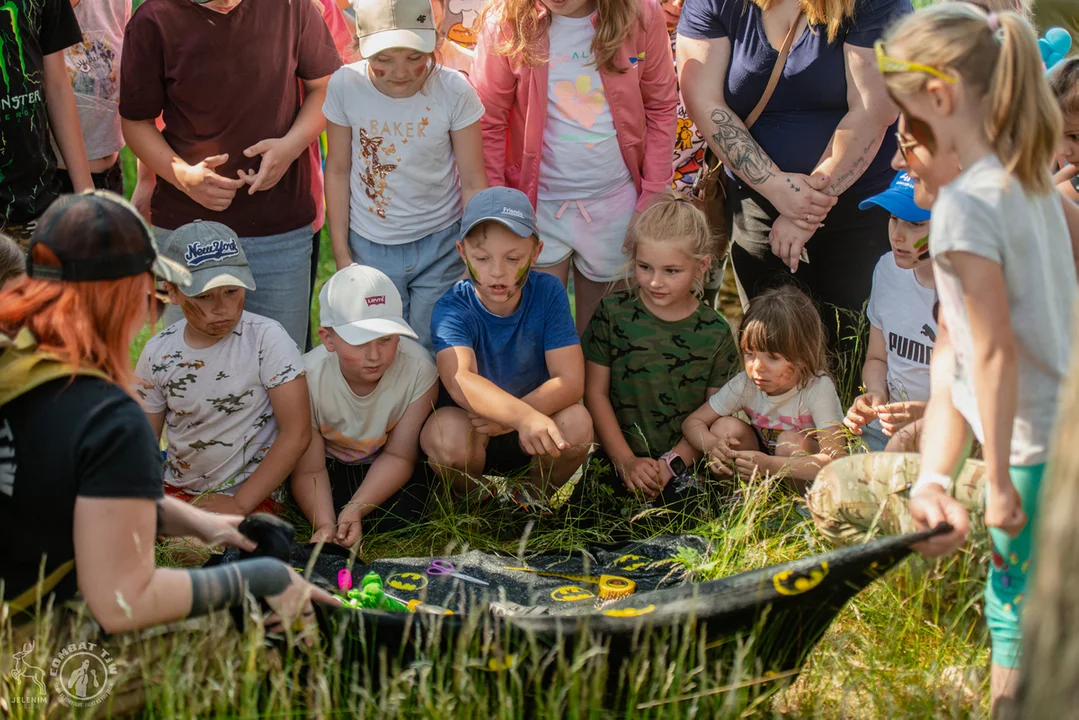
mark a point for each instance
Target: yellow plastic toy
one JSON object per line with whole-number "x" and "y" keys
{"x": 610, "y": 586}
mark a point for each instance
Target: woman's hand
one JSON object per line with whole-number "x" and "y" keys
{"x": 863, "y": 411}
{"x": 293, "y": 607}
{"x": 930, "y": 507}
{"x": 897, "y": 415}
{"x": 213, "y": 529}
{"x": 800, "y": 200}
{"x": 788, "y": 241}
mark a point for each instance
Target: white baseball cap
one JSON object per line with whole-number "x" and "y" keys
{"x": 361, "y": 304}
{"x": 384, "y": 24}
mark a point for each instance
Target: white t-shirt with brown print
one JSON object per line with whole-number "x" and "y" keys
{"x": 218, "y": 416}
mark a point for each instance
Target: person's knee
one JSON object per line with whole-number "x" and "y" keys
{"x": 447, "y": 444}
{"x": 575, "y": 424}
{"x": 793, "y": 442}
{"x": 729, "y": 426}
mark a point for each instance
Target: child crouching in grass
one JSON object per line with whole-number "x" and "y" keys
{"x": 372, "y": 387}
{"x": 785, "y": 390}
{"x": 228, "y": 384}
{"x": 656, "y": 352}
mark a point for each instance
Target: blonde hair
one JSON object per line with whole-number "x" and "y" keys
{"x": 1003, "y": 69}
{"x": 672, "y": 218}
{"x": 784, "y": 321}
{"x": 1064, "y": 83}
{"x": 521, "y": 27}
{"x": 829, "y": 13}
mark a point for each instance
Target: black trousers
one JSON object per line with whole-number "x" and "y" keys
{"x": 842, "y": 255}
{"x": 110, "y": 179}
{"x": 405, "y": 507}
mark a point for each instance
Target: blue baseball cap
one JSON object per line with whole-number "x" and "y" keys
{"x": 898, "y": 199}
{"x": 500, "y": 204}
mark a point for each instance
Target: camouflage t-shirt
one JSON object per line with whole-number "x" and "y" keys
{"x": 660, "y": 371}
{"x": 218, "y": 417}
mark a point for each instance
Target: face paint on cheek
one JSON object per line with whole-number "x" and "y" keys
{"x": 378, "y": 73}
{"x": 522, "y": 276}
{"x": 922, "y": 246}
{"x": 190, "y": 307}
{"x": 471, "y": 271}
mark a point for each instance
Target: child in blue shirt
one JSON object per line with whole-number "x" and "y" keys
{"x": 508, "y": 357}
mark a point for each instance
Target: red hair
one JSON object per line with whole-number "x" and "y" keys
{"x": 86, "y": 324}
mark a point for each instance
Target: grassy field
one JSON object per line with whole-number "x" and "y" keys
{"x": 912, "y": 645}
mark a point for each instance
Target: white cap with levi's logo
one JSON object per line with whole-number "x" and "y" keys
{"x": 361, "y": 304}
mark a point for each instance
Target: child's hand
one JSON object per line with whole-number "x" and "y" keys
{"x": 277, "y": 157}
{"x": 642, "y": 473}
{"x": 863, "y": 410}
{"x": 930, "y": 507}
{"x": 746, "y": 462}
{"x": 204, "y": 186}
{"x": 1004, "y": 509}
{"x": 1066, "y": 172}
{"x": 323, "y": 533}
{"x": 894, "y": 416}
{"x": 721, "y": 456}
{"x": 349, "y": 526}
{"x": 486, "y": 426}
{"x": 539, "y": 435}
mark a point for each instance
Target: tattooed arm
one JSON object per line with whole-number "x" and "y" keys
{"x": 702, "y": 65}
{"x": 857, "y": 138}
{"x": 124, "y": 590}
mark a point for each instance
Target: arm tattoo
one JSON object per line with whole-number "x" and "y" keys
{"x": 857, "y": 169}
{"x": 223, "y": 586}
{"x": 739, "y": 150}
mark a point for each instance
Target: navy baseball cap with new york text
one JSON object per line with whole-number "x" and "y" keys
{"x": 502, "y": 205}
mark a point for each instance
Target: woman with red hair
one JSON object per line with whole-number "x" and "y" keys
{"x": 81, "y": 497}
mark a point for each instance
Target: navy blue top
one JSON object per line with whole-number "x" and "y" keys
{"x": 811, "y": 97}
{"x": 509, "y": 350}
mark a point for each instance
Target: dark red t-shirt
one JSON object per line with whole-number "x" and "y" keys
{"x": 222, "y": 83}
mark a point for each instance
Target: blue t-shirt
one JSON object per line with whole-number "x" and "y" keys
{"x": 811, "y": 97}
{"x": 509, "y": 350}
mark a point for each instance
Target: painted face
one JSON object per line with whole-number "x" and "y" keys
{"x": 366, "y": 363}
{"x": 214, "y": 313}
{"x": 665, "y": 273}
{"x": 571, "y": 8}
{"x": 498, "y": 261}
{"x": 772, "y": 373}
{"x": 909, "y": 240}
{"x": 1069, "y": 148}
{"x": 928, "y": 171}
{"x": 398, "y": 72}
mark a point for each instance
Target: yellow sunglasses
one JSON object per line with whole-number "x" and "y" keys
{"x": 888, "y": 64}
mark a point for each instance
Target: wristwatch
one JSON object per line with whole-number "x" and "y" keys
{"x": 674, "y": 462}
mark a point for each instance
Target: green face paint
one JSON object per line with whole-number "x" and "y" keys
{"x": 522, "y": 276}
{"x": 922, "y": 244}
{"x": 471, "y": 270}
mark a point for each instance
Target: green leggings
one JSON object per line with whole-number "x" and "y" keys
{"x": 1006, "y": 585}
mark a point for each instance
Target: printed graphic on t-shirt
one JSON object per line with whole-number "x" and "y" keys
{"x": 460, "y": 17}
{"x": 689, "y": 147}
{"x": 581, "y": 100}
{"x": 91, "y": 68}
{"x": 920, "y": 352}
{"x": 376, "y": 166}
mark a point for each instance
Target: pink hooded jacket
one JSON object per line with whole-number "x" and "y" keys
{"x": 643, "y": 102}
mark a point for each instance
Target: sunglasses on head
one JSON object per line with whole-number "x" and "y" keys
{"x": 919, "y": 129}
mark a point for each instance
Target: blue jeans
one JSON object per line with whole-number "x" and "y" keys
{"x": 422, "y": 271}
{"x": 281, "y": 266}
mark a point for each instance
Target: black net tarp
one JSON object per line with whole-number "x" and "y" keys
{"x": 786, "y": 608}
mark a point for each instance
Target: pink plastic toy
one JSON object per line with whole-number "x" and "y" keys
{"x": 344, "y": 579}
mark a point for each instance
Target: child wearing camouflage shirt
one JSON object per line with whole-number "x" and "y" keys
{"x": 655, "y": 353}
{"x": 228, "y": 384}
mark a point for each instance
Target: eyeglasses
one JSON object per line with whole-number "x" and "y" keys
{"x": 887, "y": 64}
{"x": 905, "y": 145}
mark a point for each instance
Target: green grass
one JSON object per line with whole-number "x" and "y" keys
{"x": 912, "y": 645}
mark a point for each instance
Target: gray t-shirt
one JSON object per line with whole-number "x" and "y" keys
{"x": 93, "y": 66}
{"x": 987, "y": 213}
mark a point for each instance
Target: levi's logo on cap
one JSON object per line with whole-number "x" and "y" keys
{"x": 198, "y": 253}
{"x": 376, "y": 300}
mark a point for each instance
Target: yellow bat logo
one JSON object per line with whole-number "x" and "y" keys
{"x": 629, "y": 563}
{"x": 629, "y": 612}
{"x": 407, "y": 581}
{"x": 791, "y": 583}
{"x": 570, "y": 593}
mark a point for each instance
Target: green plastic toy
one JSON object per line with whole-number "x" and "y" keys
{"x": 370, "y": 596}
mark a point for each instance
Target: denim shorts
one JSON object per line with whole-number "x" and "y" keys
{"x": 281, "y": 266}
{"x": 422, "y": 271}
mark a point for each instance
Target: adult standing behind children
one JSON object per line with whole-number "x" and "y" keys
{"x": 820, "y": 146}
{"x": 405, "y": 154}
{"x": 223, "y": 77}
{"x": 372, "y": 387}
{"x": 581, "y": 114}
{"x": 93, "y": 67}
{"x": 508, "y": 357}
{"x": 38, "y": 99}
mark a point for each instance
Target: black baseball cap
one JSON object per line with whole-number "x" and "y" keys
{"x": 98, "y": 235}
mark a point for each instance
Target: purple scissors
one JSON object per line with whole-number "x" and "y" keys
{"x": 442, "y": 567}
